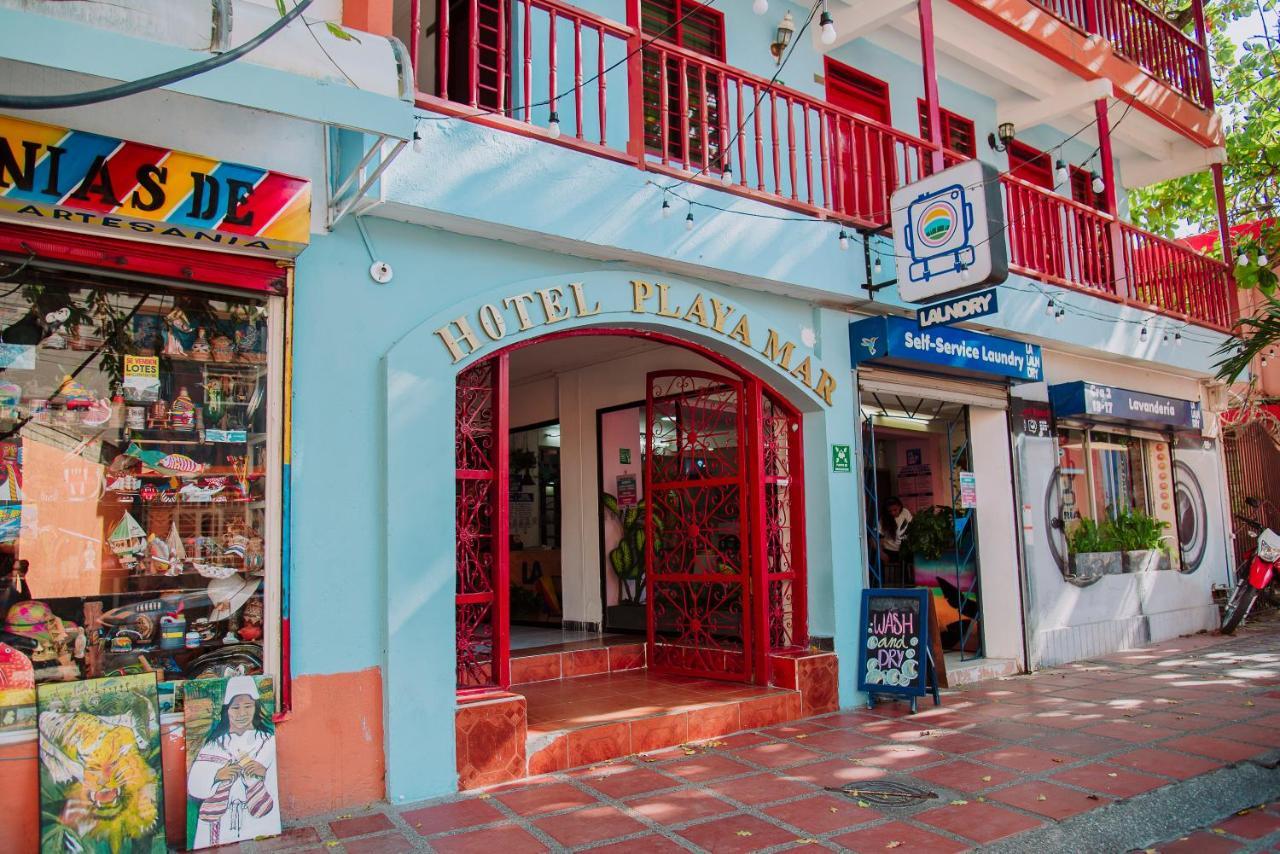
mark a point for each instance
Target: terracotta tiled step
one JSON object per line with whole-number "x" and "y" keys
{"x": 581, "y": 721}
{"x": 577, "y": 660}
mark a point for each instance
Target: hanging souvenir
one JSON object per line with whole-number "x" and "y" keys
{"x": 100, "y": 768}
{"x": 74, "y": 394}
{"x": 177, "y": 551}
{"x": 173, "y": 630}
{"x": 175, "y": 322}
{"x": 135, "y": 417}
{"x": 200, "y": 347}
{"x": 56, "y": 321}
{"x": 161, "y": 559}
{"x": 128, "y": 541}
{"x": 182, "y": 415}
{"x": 10, "y": 399}
{"x": 230, "y": 594}
{"x": 99, "y": 413}
{"x": 223, "y": 349}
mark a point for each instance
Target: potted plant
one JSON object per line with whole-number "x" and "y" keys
{"x": 1141, "y": 538}
{"x": 626, "y": 559}
{"x": 1094, "y": 550}
{"x": 931, "y": 533}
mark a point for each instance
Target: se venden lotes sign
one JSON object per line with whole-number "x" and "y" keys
{"x": 466, "y": 335}
{"x": 54, "y": 176}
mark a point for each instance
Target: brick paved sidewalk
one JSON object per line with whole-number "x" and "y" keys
{"x": 1253, "y": 829}
{"x": 1005, "y": 758}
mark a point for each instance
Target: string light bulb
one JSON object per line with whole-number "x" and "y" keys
{"x": 1242, "y": 260}
{"x": 1165, "y": 337}
{"x": 1177, "y": 339}
{"x": 418, "y": 143}
{"x": 877, "y": 266}
{"x": 553, "y": 125}
{"x": 1262, "y": 259}
{"x": 760, "y": 6}
{"x": 726, "y": 176}
{"x": 1059, "y": 314}
{"x": 828, "y": 26}
{"x": 1142, "y": 334}
{"x": 1051, "y": 309}
{"x": 1098, "y": 184}
{"x": 666, "y": 209}
{"x": 844, "y": 240}
{"x": 1060, "y": 173}
{"x": 688, "y": 221}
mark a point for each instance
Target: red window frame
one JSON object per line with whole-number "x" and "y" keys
{"x": 852, "y": 83}
{"x": 1082, "y": 190}
{"x": 678, "y": 147}
{"x": 955, "y": 128}
{"x": 1030, "y": 164}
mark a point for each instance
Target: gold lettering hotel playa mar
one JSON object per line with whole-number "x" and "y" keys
{"x": 466, "y": 335}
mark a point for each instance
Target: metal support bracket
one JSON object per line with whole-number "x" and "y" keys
{"x": 356, "y": 185}
{"x": 867, "y": 234}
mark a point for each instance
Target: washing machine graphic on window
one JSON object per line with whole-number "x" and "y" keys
{"x": 940, "y": 239}
{"x": 948, "y": 233}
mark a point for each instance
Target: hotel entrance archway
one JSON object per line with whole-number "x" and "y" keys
{"x": 723, "y": 535}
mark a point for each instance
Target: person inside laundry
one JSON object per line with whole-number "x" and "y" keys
{"x": 893, "y": 528}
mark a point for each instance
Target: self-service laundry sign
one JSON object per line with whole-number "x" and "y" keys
{"x": 948, "y": 233}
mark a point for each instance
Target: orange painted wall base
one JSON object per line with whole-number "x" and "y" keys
{"x": 330, "y": 755}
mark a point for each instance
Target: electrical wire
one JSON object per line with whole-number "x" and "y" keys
{"x": 155, "y": 81}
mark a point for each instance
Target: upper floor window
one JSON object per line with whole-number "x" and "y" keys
{"x": 1082, "y": 189}
{"x": 686, "y": 23}
{"x": 958, "y": 133}
{"x": 1030, "y": 164}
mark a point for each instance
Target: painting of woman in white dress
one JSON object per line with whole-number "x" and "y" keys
{"x": 232, "y": 790}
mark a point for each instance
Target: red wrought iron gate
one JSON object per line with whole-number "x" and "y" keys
{"x": 697, "y": 526}
{"x": 480, "y": 489}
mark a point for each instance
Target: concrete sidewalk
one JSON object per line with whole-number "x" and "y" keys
{"x": 1160, "y": 748}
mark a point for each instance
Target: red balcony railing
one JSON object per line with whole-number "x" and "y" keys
{"x": 1145, "y": 37}
{"x": 1065, "y": 242}
{"x": 706, "y": 117}
{"x": 666, "y": 109}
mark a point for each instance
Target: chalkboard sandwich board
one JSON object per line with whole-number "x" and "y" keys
{"x": 894, "y": 657}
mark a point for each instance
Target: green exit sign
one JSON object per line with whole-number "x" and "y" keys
{"x": 841, "y": 459}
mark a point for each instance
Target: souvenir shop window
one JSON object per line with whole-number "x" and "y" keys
{"x": 135, "y": 458}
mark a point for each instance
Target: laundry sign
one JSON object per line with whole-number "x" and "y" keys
{"x": 955, "y": 310}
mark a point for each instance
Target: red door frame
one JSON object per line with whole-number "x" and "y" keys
{"x": 757, "y": 390}
{"x": 741, "y": 480}
{"x": 867, "y": 198}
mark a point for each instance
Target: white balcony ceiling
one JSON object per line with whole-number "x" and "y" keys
{"x": 1029, "y": 88}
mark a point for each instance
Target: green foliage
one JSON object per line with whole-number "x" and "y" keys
{"x": 931, "y": 532}
{"x": 1090, "y": 537}
{"x": 1257, "y": 334}
{"x": 338, "y": 32}
{"x": 627, "y": 558}
{"x": 1134, "y": 530}
{"x": 1246, "y": 83}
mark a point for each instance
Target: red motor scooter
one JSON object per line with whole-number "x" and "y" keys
{"x": 1257, "y": 575}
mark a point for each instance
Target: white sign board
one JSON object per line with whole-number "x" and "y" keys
{"x": 948, "y": 233}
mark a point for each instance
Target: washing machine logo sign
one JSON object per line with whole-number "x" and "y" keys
{"x": 937, "y": 223}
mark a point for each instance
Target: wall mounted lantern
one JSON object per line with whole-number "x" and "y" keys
{"x": 1004, "y": 133}
{"x": 786, "y": 28}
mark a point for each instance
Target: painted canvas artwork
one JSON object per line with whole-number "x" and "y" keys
{"x": 100, "y": 772}
{"x": 232, "y": 789}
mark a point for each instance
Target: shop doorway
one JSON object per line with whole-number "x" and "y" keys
{"x": 710, "y": 475}
{"x": 921, "y": 518}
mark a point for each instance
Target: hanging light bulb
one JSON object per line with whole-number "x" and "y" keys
{"x": 553, "y": 125}
{"x": 844, "y": 240}
{"x": 1242, "y": 260}
{"x": 1060, "y": 174}
{"x": 1098, "y": 185}
{"x": 688, "y": 221}
{"x": 1059, "y": 314}
{"x": 1177, "y": 339}
{"x": 666, "y": 209}
{"x": 877, "y": 266}
{"x": 418, "y": 143}
{"x": 760, "y": 6}
{"x": 828, "y": 26}
{"x": 1051, "y": 309}
{"x": 1262, "y": 259}
{"x": 1165, "y": 337}
{"x": 726, "y": 176}
{"x": 1142, "y": 335}
{"x": 965, "y": 275}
